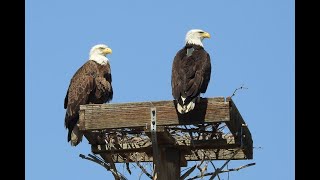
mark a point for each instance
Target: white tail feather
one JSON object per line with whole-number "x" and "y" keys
{"x": 76, "y": 136}
{"x": 186, "y": 108}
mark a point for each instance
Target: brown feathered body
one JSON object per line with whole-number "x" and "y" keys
{"x": 91, "y": 84}
{"x": 191, "y": 71}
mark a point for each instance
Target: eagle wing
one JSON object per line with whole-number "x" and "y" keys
{"x": 198, "y": 75}
{"x": 177, "y": 75}
{"x": 81, "y": 86}
{"x": 206, "y": 68}
{"x": 103, "y": 84}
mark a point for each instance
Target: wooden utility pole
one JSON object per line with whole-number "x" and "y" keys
{"x": 126, "y": 133}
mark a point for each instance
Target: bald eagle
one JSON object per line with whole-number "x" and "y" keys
{"x": 91, "y": 84}
{"x": 191, "y": 70}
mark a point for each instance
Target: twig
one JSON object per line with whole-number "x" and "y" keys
{"x": 199, "y": 165}
{"x": 186, "y": 174}
{"x": 185, "y": 169}
{"x": 223, "y": 171}
{"x": 155, "y": 174}
{"x": 128, "y": 168}
{"x": 215, "y": 169}
{"x": 96, "y": 161}
{"x": 140, "y": 175}
{"x": 92, "y": 158}
{"x": 204, "y": 154}
{"x": 144, "y": 170}
{"x": 190, "y": 130}
{"x": 219, "y": 169}
{"x": 204, "y": 169}
{"x": 203, "y": 157}
{"x": 97, "y": 158}
{"x": 238, "y": 168}
{"x": 191, "y": 137}
{"x": 234, "y": 92}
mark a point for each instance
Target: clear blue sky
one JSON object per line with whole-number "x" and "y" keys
{"x": 252, "y": 43}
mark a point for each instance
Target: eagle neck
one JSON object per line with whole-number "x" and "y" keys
{"x": 193, "y": 46}
{"x": 99, "y": 59}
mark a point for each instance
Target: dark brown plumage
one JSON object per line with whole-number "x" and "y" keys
{"x": 190, "y": 75}
{"x": 91, "y": 84}
{"x": 191, "y": 71}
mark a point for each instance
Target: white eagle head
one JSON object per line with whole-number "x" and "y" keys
{"x": 98, "y": 53}
{"x": 195, "y": 36}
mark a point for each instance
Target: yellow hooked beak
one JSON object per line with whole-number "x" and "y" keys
{"x": 107, "y": 51}
{"x": 205, "y": 35}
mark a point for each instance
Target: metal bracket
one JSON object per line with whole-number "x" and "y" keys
{"x": 153, "y": 130}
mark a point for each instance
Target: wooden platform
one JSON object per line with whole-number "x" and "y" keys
{"x": 213, "y": 130}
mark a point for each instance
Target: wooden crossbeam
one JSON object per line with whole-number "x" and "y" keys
{"x": 123, "y": 115}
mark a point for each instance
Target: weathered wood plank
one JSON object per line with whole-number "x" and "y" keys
{"x": 122, "y": 115}
{"x": 221, "y": 154}
{"x": 236, "y": 125}
{"x": 169, "y": 164}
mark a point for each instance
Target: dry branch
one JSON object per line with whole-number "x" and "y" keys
{"x": 234, "y": 92}
{"x": 186, "y": 174}
{"x": 144, "y": 170}
{"x": 223, "y": 171}
{"x": 117, "y": 175}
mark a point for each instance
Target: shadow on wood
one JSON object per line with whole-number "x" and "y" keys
{"x": 197, "y": 115}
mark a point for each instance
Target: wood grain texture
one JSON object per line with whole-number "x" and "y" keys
{"x": 169, "y": 164}
{"x": 122, "y": 115}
